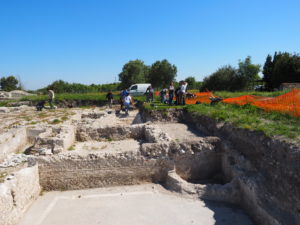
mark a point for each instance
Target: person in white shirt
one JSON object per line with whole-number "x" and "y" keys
{"x": 182, "y": 92}
{"x": 127, "y": 101}
{"x": 51, "y": 97}
{"x": 183, "y": 86}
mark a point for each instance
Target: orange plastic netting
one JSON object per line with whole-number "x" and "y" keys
{"x": 287, "y": 103}
{"x": 203, "y": 97}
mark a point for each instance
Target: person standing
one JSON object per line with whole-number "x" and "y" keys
{"x": 163, "y": 96}
{"x": 51, "y": 97}
{"x": 183, "y": 88}
{"x": 149, "y": 94}
{"x": 127, "y": 101}
{"x": 110, "y": 99}
{"x": 177, "y": 90}
{"x": 123, "y": 94}
{"x": 171, "y": 93}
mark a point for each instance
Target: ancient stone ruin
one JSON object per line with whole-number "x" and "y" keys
{"x": 182, "y": 155}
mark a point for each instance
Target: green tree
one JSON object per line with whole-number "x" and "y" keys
{"x": 247, "y": 73}
{"x": 8, "y": 83}
{"x": 224, "y": 79}
{"x": 268, "y": 71}
{"x": 227, "y": 78}
{"x": 285, "y": 68}
{"x": 134, "y": 71}
{"x": 161, "y": 73}
{"x": 192, "y": 83}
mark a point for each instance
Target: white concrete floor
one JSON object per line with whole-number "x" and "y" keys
{"x": 179, "y": 131}
{"x": 132, "y": 205}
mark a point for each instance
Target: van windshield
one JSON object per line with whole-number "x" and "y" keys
{"x": 134, "y": 87}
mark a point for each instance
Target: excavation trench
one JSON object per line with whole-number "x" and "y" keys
{"x": 192, "y": 156}
{"x": 127, "y": 155}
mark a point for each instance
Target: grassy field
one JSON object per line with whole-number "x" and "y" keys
{"x": 253, "y": 118}
{"x": 247, "y": 116}
{"x": 66, "y": 96}
{"x": 101, "y": 96}
{"x": 227, "y": 94}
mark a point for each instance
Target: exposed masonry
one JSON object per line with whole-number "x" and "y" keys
{"x": 99, "y": 149}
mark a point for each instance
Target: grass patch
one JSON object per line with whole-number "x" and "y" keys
{"x": 109, "y": 139}
{"x": 87, "y": 107}
{"x": 64, "y": 118}
{"x": 42, "y": 115}
{"x": 68, "y": 96}
{"x": 71, "y": 148}
{"x": 247, "y": 116}
{"x": 252, "y": 118}
{"x": 2, "y": 176}
{"x": 32, "y": 123}
{"x": 27, "y": 118}
{"x": 55, "y": 121}
{"x": 227, "y": 94}
{"x": 4, "y": 103}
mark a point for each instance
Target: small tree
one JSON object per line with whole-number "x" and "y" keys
{"x": 133, "y": 72}
{"x": 161, "y": 73}
{"x": 9, "y": 83}
{"x": 192, "y": 83}
{"x": 247, "y": 73}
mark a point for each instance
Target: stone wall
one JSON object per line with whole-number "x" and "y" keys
{"x": 197, "y": 159}
{"x": 17, "y": 193}
{"x": 12, "y": 141}
{"x": 69, "y": 172}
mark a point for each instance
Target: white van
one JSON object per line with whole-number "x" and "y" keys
{"x": 138, "y": 89}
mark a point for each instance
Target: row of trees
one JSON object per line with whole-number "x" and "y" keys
{"x": 159, "y": 74}
{"x": 281, "y": 68}
{"x": 228, "y": 78}
{"x": 61, "y": 86}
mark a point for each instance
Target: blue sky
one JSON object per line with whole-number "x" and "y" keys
{"x": 89, "y": 41}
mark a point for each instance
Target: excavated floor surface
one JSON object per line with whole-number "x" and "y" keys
{"x": 179, "y": 131}
{"x": 132, "y": 205}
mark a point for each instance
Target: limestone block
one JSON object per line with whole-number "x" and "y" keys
{"x": 12, "y": 141}
{"x": 17, "y": 193}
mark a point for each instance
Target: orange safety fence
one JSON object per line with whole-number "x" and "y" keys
{"x": 201, "y": 97}
{"x": 286, "y": 103}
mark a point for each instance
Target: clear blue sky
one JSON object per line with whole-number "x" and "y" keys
{"x": 89, "y": 41}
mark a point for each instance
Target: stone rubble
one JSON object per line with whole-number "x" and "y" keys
{"x": 14, "y": 160}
